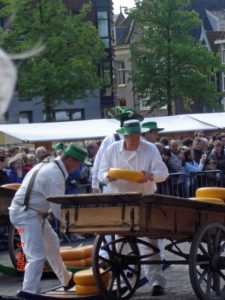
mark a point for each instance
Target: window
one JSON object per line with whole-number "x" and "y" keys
{"x": 25, "y": 117}
{"x": 103, "y": 27}
{"x": 223, "y": 82}
{"x": 67, "y": 115}
{"x": 223, "y": 54}
{"x": 120, "y": 73}
{"x": 144, "y": 102}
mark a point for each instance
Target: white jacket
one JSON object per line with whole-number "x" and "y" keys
{"x": 145, "y": 158}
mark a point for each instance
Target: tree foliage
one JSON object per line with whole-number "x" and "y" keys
{"x": 168, "y": 63}
{"x": 73, "y": 51}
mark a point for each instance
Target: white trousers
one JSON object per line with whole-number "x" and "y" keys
{"x": 153, "y": 272}
{"x": 40, "y": 242}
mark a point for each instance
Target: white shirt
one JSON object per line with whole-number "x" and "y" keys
{"x": 49, "y": 181}
{"x": 145, "y": 158}
{"x": 104, "y": 145}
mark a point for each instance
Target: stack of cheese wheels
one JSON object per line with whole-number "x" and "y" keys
{"x": 79, "y": 257}
{"x": 86, "y": 284}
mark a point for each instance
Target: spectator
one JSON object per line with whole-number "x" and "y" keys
{"x": 217, "y": 154}
{"x": 3, "y": 175}
{"x": 15, "y": 172}
{"x": 41, "y": 153}
{"x": 174, "y": 147}
{"x": 164, "y": 141}
{"x": 29, "y": 162}
{"x": 160, "y": 147}
{"x": 199, "y": 134}
{"x": 214, "y": 178}
{"x": 188, "y": 142}
{"x": 191, "y": 166}
{"x": 13, "y": 150}
{"x": 197, "y": 149}
{"x": 2, "y": 152}
{"x": 174, "y": 165}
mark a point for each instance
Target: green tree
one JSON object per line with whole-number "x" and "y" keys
{"x": 69, "y": 65}
{"x": 168, "y": 63}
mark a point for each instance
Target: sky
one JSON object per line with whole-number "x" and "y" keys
{"x": 117, "y": 3}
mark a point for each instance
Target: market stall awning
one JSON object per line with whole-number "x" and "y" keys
{"x": 184, "y": 123}
{"x": 99, "y": 128}
{"x": 57, "y": 131}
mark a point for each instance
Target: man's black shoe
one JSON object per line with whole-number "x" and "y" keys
{"x": 70, "y": 284}
{"x": 158, "y": 290}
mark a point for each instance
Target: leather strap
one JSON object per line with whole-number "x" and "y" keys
{"x": 116, "y": 137}
{"x": 60, "y": 168}
{"x": 29, "y": 188}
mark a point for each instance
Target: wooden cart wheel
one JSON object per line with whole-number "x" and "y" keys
{"x": 14, "y": 245}
{"x": 207, "y": 262}
{"x": 118, "y": 256}
{"x": 16, "y": 251}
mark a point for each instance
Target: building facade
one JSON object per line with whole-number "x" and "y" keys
{"x": 97, "y": 103}
{"x": 212, "y": 14}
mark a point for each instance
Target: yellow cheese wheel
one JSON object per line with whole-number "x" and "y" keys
{"x": 87, "y": 250}
{"x": 66, "y": 247}
{"x": 211, "y": 200}
{"x": 125, "y": 174}
{"x": 86, "y": 277}
{"x": 211, "y": 192}
{"x": 72, "y": 254}
{"x": 88, "y": 261}
{"x": 87, "y": 289}
{"x": 79, "y": 263}
{"x": 13, "y": 186}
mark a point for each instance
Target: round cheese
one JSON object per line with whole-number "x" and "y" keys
{"x": 72, "y": 254}
{"x": 86, "y": 277}
{"x": 75, "y": 263}
{"x": 125, "y": 174}
{"x": 211, "y": 192}
{"x": 210, "y": 200}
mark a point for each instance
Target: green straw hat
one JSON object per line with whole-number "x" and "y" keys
{"x": 76, "y": 151}
{"x": 151, "y": 126}
{"x": 125, "y": 114}
{"x": 59, "y": 146}
{"x": 131, "y": 127}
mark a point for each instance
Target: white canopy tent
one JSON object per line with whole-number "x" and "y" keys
{"x": 57, "y": 131}
{"x": 182, "y": 123}
{"x": 99, "y": 128}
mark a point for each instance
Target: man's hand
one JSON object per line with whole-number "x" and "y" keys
{"x": 147, "y": 176}
{"x": 110, "y": 179}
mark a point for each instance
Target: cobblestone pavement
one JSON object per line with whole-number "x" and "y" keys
{"x": 178, "y": 283}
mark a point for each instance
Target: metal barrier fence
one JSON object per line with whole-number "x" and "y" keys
{"x": 181, "y": 185}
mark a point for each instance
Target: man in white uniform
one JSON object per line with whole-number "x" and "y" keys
{"x": 124, "y": 114}
{"x": 152, "y": 135}
{"x": 136, "y": 154}
{"x": 39, "y": 240}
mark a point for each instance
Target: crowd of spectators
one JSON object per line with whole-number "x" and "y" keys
{"x": 193, "y": 154}
{"x": 16, "y": 162}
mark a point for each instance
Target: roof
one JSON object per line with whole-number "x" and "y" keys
{"x": 123, "y": 31}
{"x": 212, "y": 36}
{"x": 200, "y": 6}
{"x": 118, "y": 19}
